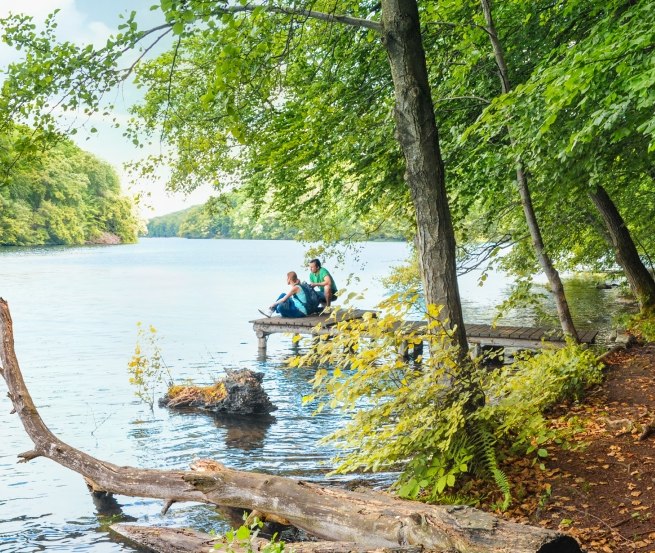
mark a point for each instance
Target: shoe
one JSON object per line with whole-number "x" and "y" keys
{"x": 266, "y": 312}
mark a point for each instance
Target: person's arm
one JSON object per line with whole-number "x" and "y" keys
{"x": 327, "y": 281}
{"x": 290, "y": 293}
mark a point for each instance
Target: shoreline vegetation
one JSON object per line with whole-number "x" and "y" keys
{"x": 62, "y": 197}
{"x": 231, "y": 216}
{"x": 599, "y": 489}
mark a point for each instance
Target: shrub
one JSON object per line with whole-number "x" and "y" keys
{"x": 436, "y": 420}
{"x": 642, "y": 326}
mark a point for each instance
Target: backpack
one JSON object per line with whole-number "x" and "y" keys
{"x": 311, "y": 297}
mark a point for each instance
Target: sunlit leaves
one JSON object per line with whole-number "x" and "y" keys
{"x": 418, "y": 417}
{"x": 147, "y": 368}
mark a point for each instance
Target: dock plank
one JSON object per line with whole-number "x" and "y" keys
{"x": 482, "y": 334}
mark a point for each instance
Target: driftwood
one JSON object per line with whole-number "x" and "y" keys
{"x": 369, "y": 520}
{"x": 176, "y": 540}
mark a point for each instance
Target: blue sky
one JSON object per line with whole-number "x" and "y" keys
{"x": 93, "y": 21}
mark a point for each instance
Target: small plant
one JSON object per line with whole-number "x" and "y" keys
{"x": 244, "y": 539}
{"x": 181, "y": 394}
{"x": 147, "y": 368}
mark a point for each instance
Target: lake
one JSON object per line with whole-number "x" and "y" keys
{"x": 75, "y": 312}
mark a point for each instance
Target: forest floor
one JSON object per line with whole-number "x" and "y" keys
{"x": 603, "y": 491}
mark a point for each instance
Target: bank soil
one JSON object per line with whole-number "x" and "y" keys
{"x": 602, "y": 493}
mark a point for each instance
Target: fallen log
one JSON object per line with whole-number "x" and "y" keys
{"x": 370, "y": 520}
{"x": 176, "y": 540}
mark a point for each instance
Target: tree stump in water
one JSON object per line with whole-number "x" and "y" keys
{"x": 239, "y": 393}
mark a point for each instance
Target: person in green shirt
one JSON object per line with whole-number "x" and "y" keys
{"x": 321, "y": 279}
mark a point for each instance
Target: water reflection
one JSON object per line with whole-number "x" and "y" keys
{"x": 108, "y": 510}
{"x": 593, "y": 307}
{"x": 245, "y": 433}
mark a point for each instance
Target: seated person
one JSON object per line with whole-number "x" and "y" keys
{"x": 321, "y": 279}
{"x": 291, "y": 304}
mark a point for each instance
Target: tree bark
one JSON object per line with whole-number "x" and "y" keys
{"x": 183, "y": 540}
{"x": 371, "y": 520}
{"x": 557, "y": 289}
{"x": 416, "y": 130}
{"x": 639, "y": 279}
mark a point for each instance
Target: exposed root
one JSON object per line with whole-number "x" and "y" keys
{"x": 649, "y": 429}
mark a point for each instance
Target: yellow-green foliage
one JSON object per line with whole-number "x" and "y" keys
{"x": 642, "y": 325}
{"x": 180, "y": 394}
{"x": 146, "y": 367}
{"x": 436, "y": 420}
{"x": 519, "y": 394}
{"x": 245, "y": 539}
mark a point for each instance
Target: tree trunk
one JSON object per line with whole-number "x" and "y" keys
{"x": 371, "y": 520}
{"x": 416, "y": 130}
{"x": 556, "y": 286}
{"x": 640, "y": 280}
{"x": 557, "y": 289}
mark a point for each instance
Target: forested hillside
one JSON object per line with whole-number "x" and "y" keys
{"x": 231, "y": 216}
{"x": 64, "y": 196}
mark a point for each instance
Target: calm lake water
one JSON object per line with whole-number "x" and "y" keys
{"x": 75, "y": 312}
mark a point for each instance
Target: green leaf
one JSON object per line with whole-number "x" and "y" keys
{"x": 243, "y": 533}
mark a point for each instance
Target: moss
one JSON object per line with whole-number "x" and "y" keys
{"x": 206, "y": 394}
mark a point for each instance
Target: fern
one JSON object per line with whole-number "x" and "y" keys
{"x": 485, "y": 444}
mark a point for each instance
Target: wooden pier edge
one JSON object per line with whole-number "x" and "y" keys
{"x": 479, "y": 335}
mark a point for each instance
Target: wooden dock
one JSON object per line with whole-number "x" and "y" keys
{"x": 479, "y": 335}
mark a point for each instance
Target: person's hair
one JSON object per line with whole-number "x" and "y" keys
{"x": 318, "y": 263}
{"x": 293, "y": 275}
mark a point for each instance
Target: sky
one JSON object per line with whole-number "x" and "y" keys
{"x": 93, "y": 21}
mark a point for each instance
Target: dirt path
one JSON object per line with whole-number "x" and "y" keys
{"x": 604, "y": 494}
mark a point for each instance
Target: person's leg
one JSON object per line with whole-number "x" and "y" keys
{"x": 279, "y": 305}
{"x": 294, "y": 310}
{"x": 289, "y": 309}
{"x": 328, "y": 296}
{"x": 321, "y": 297}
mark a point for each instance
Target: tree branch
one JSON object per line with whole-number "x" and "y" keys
{"x": 312, "y": 14}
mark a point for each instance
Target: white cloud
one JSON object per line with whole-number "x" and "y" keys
{"x": 72, "y": 24}
{"x": 36, "y": 8}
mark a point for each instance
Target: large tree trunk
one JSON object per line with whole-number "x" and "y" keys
{"x": 556, "y": 287}
{"x": 640, "y": 280}
{"x": 370, "y": 519}
{"x": 416, "y": 130}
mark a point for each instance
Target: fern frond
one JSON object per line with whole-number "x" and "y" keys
{"x": 484, "y": 444}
